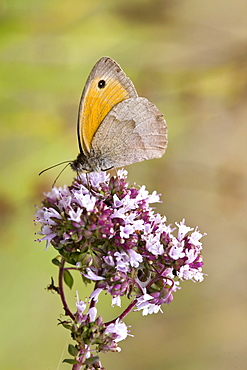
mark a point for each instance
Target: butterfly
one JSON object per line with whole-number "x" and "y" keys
{"x": 115, "y": 126}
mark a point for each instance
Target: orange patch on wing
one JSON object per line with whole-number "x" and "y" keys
{"x": 97, "y": 104}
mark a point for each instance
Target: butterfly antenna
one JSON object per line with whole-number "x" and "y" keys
{"x": 55, "y": 165}
{"x": 54, "y": 182}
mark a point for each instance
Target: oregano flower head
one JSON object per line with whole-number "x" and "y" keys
{"x": 109, "y": 232}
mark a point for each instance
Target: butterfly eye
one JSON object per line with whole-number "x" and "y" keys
{"x": 101, "y": 84}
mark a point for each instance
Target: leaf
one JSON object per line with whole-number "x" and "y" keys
{"x": 68, "y": 278}
{"x": 56, "y": 262}
{"x": 73, "y": 351}
{"x": 91, "y": 360}
{"x": 70, "y": 361}
{"x": 66, "y": 324}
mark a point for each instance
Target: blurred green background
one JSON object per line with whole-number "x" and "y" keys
{"x": 187, "y": 57}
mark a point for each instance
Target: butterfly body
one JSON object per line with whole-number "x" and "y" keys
{"x": 116, "y": 127}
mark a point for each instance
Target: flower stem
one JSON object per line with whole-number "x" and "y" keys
{"x": 61, "y": 290}
{"x": 123, "y": 314}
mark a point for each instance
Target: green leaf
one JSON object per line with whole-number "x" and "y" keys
{"x": 56, "y": 262}
{"x": 73, "y": 351}
{"x": 91, "y": 360}
{"x": 66, "y": 324}
{"x": 70, "y": 361}
{"x": 68, "y": 278}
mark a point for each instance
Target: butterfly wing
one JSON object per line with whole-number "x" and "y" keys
{"x": 106, "y": 86}
{"x": 133, "y": 131}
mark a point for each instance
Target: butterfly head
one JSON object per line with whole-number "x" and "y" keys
{"x": 92, "y": 163}
{"x": 80, "y": 164}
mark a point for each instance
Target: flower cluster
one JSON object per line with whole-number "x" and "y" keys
{"x": 109, "y": 232}
{"x": 88, "y": 330}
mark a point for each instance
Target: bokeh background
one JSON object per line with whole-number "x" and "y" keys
{"x": 187, "y": 57}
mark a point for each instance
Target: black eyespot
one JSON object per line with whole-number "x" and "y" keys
{"x": 101, "y": 84}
